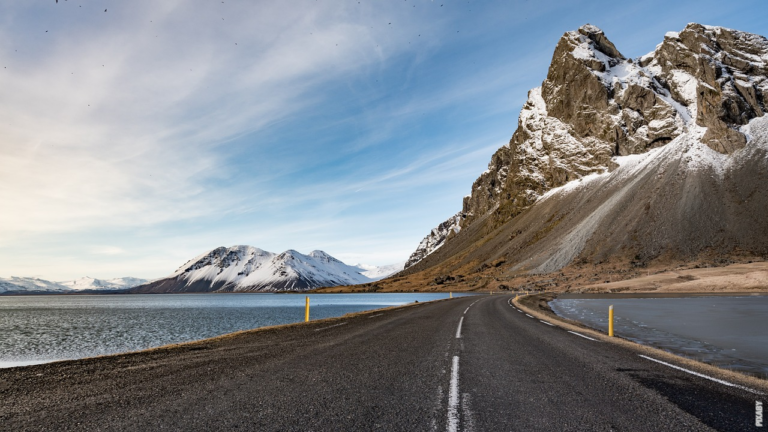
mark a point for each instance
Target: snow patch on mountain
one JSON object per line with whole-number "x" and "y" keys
{"x": 435, "y": 239}
{"x": 247, "y": 268}
{"x": 89, "y": 283}
{"x": 30, "y": 284}
{"x": 380, "y": 272}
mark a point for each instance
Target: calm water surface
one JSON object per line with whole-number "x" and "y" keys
{"x": 730, "y": 332}
{"x": 38, "y": 329}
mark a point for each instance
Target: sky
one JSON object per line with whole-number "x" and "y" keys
{"x": 137, "y": 135}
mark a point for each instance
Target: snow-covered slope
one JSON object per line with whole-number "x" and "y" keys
{"x": 380, "y": 272}
{"x": 246, "y": 268}
{"x": 29, "y": 284}
{"x": 435, "y": 239}
{"x": 89, "y": 283}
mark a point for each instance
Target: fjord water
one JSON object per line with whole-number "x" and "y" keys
{"x": 729, "y": 332}
{"x": 38, "y": 329}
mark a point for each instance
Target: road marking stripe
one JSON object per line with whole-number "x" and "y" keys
{"x": 335, "y": 325}
{"x": 465, "y": 310}
{"x": 458, "y": 330}
{"x": 529, "y": 316}
{"x": 585, "y": 337}
{"x": 549, "y": 324}
{"x": 374, "y": 316}
{"x": 723, "y": 382}
{"x": 519, "y": 311}
{"x": 453, "y": 398}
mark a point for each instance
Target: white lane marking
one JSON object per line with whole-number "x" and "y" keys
{"x": 335, "y": 325}
{"x": 458, "y": 330}
{"x": 585, "y": 337}
{"x": 723, "y": 382}
{"x": 549, "y": 324}
{"x": 529, "y": 316}
{"x": 520, "y": 311}
{"x": 453, "y": 397}
{"x": 374, "y": 316}
{"x": 465, "y": 310}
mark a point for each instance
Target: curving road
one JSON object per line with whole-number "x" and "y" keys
{"x": 471, "y": 363}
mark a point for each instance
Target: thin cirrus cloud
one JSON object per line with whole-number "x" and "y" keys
{"x": 129, "y": 118}
{"x": 133, "y": 133}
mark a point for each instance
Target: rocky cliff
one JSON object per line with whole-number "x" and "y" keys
{"x": 699, "y": 88}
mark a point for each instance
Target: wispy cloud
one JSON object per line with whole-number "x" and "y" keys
{"x": 128, "y": 124}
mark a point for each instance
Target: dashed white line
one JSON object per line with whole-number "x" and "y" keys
{"x": 453, "y": 397}
{"x": 465, "y": 310}
{"x": 519, "y": 311}
{"x": 335, "y": 325}
{"x": 529, "y": 316}
{"x": 549, "y": 324}
{"x": 458, "y": 330}
{"x": 723, "y": 382}
{"x": 585, "y": 337}
{"x": 374, "y": 316}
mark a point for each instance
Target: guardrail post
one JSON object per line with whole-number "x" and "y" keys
{"x": 450, "y": 294}
{"x": 610, "y": 321}
{"x": 306, "y": 311}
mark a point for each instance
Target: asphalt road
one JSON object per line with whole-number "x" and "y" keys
{"x": 471, "y": 363}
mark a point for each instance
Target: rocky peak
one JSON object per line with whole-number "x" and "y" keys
{"x": 322, "y": 256}
{"x": 599, "y": 41}
{"x": 596, "y": 104}
{"x": 720, "y": 74}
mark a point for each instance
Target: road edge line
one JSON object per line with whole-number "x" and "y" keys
{"x": 742, "y": 379}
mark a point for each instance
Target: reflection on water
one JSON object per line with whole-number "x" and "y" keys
{"x": 729, "y": 332}
{"x": 36, "y": 329}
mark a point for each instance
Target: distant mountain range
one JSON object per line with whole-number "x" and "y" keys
{"x": 30, "y": 285}
{"x": 238, "y": 268}
{"x": 247, "y": 268}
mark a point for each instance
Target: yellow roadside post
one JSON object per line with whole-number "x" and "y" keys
{"x": 610, "y": 321}
{"x": 306, "y": 311}
{"x": 450, "y": 294}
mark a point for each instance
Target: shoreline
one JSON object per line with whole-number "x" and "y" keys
{"x": 215, "y": 339}
{"x": 538, "y": 306}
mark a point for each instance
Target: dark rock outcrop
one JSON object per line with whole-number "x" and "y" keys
{"x": 702, "y": 84}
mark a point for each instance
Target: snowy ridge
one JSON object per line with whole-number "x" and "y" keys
{"x": 30, "y": 284}
{"x": 435, "y": 239}
{"x": 380, "y": 272}
{"x": 89, "y": 283}
{"x": 247, "y": 268}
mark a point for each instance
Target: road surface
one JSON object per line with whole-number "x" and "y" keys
{"x": 470, "y": 363}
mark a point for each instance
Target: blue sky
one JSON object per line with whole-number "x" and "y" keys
{"x": 137, "y": 138}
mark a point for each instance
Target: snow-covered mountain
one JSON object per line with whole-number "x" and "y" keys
{"x": 247, "y": 268}
{"x": 29, "y": 284}
{"x": 89, "y": 283}
{"x": 16, "y": 284}
{"x": 658, "y": 157}
{"x": 379, "y": 272}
